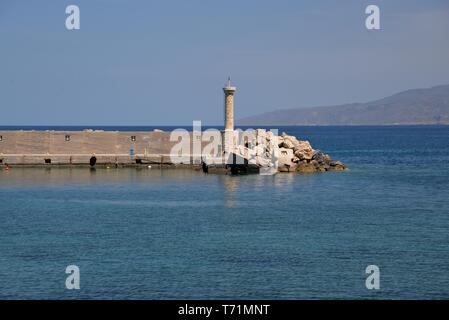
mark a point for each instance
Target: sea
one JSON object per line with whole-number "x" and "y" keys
{"x": 147, "y": 233}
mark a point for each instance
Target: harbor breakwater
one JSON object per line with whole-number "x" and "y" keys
{"x": 78, "y": 147}
{"x": 157, "y": 147}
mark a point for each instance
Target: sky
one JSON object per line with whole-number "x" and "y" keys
{"x": 165, "y": 62}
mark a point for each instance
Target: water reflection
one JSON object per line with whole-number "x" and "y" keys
{"x": 29, "y": 177}
{"x": 284, "y": 181}
{"x": 248, "y": 188}
{"x": 231, "y": 189}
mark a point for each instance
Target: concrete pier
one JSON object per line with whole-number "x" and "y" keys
{"x": 109, "y": 148}
{"x": 78, "y": 147}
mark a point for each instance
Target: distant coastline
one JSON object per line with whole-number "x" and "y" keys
{"x": 168, "y": 128}
{"x": 412, "y": 107}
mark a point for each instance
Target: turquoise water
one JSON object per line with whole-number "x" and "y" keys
{"x": 151, "y": 234}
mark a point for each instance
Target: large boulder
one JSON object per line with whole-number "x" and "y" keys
{"x": 320, "y": 157}
{"x": 304, "y": 155}
{"x": 288, "y": 143}
{"x": 285, "y": 163}
{"x": 302, "y": 146}
{"x": 288, "y": 167}
{"x": 336, "y": 166}
{"x": 280, "y": 141}
{"x": 303, "y": 150}
{"x": 270, "y": 135}
{"x": 305, "y": 167}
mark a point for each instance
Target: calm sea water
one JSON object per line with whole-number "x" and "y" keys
{"x": 152, "y": 234}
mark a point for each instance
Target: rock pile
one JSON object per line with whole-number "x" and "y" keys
{"x": 294, "y": 155}
{"x": 298, "y": 155}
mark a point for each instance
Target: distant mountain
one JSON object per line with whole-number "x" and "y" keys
{"x": 417, "y": 106}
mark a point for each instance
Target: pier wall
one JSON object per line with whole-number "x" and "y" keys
{"x": 77, "y": 147}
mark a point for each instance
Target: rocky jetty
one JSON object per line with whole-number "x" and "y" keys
{"x": 299, "y": 156}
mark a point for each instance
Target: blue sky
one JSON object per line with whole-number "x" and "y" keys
{"x": 165, "y": 62}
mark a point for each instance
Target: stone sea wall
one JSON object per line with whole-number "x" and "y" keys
{"x": 141, "y": 147}
{"x": 77, "y": 147}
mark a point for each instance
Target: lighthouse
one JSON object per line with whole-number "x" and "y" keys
{"x": 228, "y": 136}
